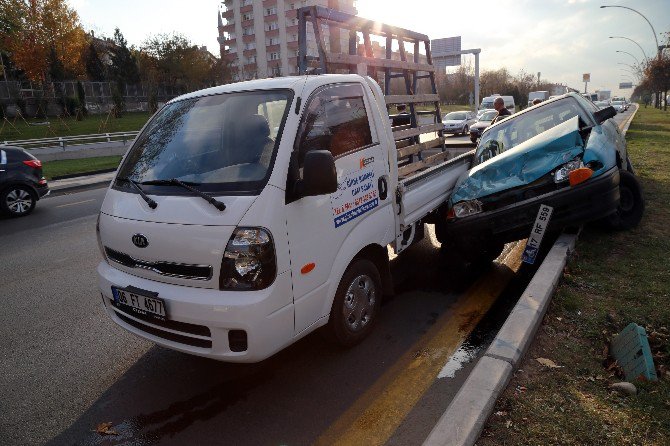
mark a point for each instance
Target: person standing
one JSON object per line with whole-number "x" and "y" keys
{"x": 499, "y": 106}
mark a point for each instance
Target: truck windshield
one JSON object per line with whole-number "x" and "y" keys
{"x": 221, "y": 143}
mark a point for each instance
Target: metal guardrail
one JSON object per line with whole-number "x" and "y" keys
{"x": 63, "y": 141}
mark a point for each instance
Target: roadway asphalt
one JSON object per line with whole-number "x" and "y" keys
{"x": 66, "y": 367}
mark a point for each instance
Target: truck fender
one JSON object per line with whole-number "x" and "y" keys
{"x": 379, "y": 229}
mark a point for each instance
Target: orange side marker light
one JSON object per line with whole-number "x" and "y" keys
{"x": 307, "y": 268}
{"x": 580, "y": 175}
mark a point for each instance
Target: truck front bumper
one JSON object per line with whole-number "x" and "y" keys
{"x": 208, "y": 322}
{"x": 591, "y": 200}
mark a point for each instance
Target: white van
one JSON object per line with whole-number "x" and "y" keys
{"x": 487, "y": 104}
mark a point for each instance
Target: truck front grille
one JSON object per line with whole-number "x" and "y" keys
{"x": 168, "y": 269}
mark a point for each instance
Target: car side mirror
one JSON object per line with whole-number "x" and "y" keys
{"x": 604, "y": 114}
{"x": 319, "y": 176}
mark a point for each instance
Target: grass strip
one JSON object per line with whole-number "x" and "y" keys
{"x": 612, "y": 280}
{"x": 58, "y": 168}
{"x": 92, "y": 124}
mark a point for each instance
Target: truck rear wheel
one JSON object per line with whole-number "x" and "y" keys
{"x": 356, "y": 305}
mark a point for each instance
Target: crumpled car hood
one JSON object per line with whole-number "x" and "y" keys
{"x": 522, "y": 164}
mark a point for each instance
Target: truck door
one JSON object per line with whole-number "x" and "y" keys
{"x": 336, "y": 118}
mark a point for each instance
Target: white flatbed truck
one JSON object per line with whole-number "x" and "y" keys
{"x": 248, "y": 215}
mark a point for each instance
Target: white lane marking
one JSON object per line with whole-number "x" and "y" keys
{"x": 72, "y": 204}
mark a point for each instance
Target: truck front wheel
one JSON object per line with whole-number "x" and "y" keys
{"x": 356, "y": 305}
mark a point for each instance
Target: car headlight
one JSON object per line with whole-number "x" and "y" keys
{"x": 562, "y": 174}
{"x": 464, "y": 209}
{"x": 249, "y": 262}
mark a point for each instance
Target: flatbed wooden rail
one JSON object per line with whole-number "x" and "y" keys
{"x": 407, "y": 134}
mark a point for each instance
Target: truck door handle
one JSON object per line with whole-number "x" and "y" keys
{"x": 383, "y": 187}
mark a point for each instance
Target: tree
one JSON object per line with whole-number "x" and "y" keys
{"x": 34, "y": 27}
{"x": 124, "y": 65}
{"x": 658, "y": 74}
{"x": 173, "y": 60}
{"x": 94, "y": 66}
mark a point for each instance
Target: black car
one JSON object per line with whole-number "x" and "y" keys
{"x": 482, "y": 123}
{"x": 21, "y": 181}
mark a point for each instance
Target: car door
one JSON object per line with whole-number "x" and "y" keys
{"x": 336, "y": 118}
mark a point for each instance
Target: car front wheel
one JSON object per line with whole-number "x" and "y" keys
{"x": 631, "y": 203}
{"x": 17, "y": 201}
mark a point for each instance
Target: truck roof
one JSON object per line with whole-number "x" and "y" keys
{"x": 291, "y": 82}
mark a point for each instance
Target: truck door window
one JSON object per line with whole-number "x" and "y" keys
{"x": 335, "y": 120}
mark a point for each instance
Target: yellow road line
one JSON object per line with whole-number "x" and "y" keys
{"x": 72, "y": 204}
{"x": 375, "y": 416}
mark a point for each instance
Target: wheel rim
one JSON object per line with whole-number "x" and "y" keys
{"x": 359, "y": 303}
{"x": 626, "y": 200}
{"x": 19, "y": 201}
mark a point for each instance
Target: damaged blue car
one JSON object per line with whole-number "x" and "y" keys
{"x": 564, "y": 153}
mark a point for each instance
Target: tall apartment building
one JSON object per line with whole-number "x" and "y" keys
{"x": 260, "y": 37}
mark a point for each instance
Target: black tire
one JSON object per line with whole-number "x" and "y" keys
{"x": 356, "y": 305}
{"x": 474, "y": 140}
{"x": 631, "y": 203}
{"x": 17, "y": 201}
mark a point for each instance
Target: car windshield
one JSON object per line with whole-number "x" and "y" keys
{"x": 519, "y": 128}
{"x": 222, "y": 143}
{"x": 488, "y": 116}
{"x": 617, "y": 102}
{"x": 455, "y": 116}
{"x": 487, "y": 104}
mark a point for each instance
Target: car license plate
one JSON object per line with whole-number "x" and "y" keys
{"x": 536, "y": 234}
{"x": 138, "y": 303}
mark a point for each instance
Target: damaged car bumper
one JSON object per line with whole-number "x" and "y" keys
{"x": 573, "y": 205}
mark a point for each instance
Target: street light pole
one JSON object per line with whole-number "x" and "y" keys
{"x": 638, "y": 45}
{"x": 636, "y": 59}
{"x": 658, "y": 47}
{"x": 641, "y": 15}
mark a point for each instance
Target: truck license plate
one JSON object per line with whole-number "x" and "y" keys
{"x": 139, "y": 303}
{"x": 536, "y": 234}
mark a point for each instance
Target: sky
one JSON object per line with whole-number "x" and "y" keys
{"x": 561, "y": 39}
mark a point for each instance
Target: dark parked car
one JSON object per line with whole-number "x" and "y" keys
{"x": 565, "y": 154}
{"x": 21, "y": 181}
{"x": 482, "y": 123}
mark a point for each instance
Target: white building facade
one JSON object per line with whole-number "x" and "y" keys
{"x": 260, "y": 37}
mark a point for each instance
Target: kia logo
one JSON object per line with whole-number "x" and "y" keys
{"x": 140, "y": 241}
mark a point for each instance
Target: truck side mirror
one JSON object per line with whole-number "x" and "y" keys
{"x": 319, "y": 176}
{"x": 604, "y": 114}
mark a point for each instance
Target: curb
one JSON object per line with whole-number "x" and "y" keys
{"x": 85, "y": 182}
{"x": 463, "y": 421}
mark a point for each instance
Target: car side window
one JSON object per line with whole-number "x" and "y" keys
{"x": 3, "y": 157}
{"x": 336, "y": 120}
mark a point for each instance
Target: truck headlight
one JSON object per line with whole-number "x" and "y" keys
{"x": 465, "y": 208}
{"x": 563, "y": 173}
{"x": 249, "y": 261}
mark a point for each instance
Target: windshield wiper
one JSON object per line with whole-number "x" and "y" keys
{"x": 152, "y": 204}
{"x": 173, "y": 181}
